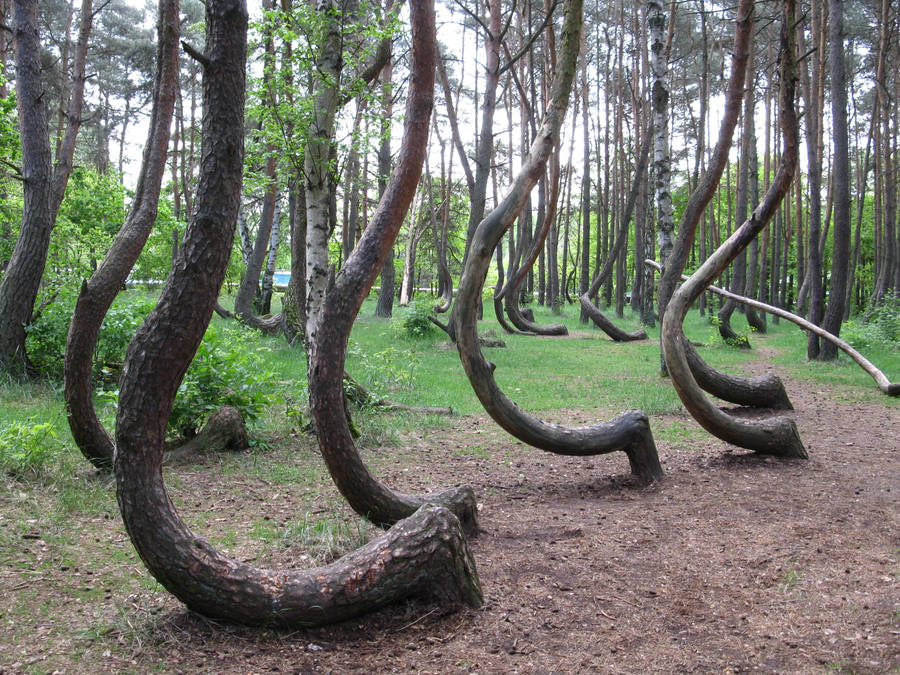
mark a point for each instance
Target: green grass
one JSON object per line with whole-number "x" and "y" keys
{"x": 46, "y": 514}
{"x": 586, "y": 372}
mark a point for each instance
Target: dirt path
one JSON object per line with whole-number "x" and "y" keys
{"x": 732, "y": 563}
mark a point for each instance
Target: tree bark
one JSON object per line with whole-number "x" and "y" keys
{"x": 661, "y": 170}
{"x": 97, "y": 293}
{"x": 264, "y": 299}
{"x": 884, "y": 384}
{"x": 705, "y": 190}
{"x": 328, "y": 344}
{"x": 384, "y": 307}
{"x": 814, "y": 122}
{"x": 840, "y": 257}
{"x": 776, "y": 436}
{"x": 19, "y": 286}
{"x": 739, "y": 267}
{"x": 43, "y": 187}
{"x": 630, "y": 432}
{"x": 587, "y": 304}
{"x": 425, "y": 554}
{"x": 249, "y": 289}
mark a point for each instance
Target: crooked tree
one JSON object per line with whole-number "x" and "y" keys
{"x": 425, "y": 554}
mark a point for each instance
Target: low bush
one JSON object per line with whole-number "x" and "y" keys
{"x": 46, "y": 342}
{"x": 413, "y": 322}
{"x": 224, "y": 372}
{"x": 27, "y": 447}
{"x": 882, "y": 326}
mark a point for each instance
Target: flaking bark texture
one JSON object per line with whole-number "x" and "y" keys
{"x": 630, "y": 432}
{"x": 775, "y": 436}
{"x": 425, "y": 554}
{"x": 98, "y": 293}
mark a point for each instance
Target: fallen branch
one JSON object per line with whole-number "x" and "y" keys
{"x": 884, "y": 384}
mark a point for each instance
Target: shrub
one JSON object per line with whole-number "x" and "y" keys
{"x": 223, "y": 372}
{"x": 413, "y": 322}
{"x": 26, "y": 447}
{"x": 882, "y": 327}
{"x": 47, "y": 336}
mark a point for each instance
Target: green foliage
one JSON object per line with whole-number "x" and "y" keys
{"x": 89, "y": 217}
{"x": 155, "y": 260}
{"x": 27, "y": 447}
{"x": 384, "y": 368}
{"x": 882, "y": 327}
{"x": 224, "y": 372}
{"x": 412, "y": 321}
{"x": 46, "y": 342}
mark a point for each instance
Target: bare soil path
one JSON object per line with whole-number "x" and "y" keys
{"x": 732, "y": 563}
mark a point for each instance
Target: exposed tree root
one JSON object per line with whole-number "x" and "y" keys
{"x": 224, "y": 431}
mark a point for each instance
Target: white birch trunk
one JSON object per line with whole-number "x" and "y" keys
{"x": 665, "y": 225}
{"x": 326, "y": 84}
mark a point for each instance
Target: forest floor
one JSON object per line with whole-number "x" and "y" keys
{"x": 731, "y": 563}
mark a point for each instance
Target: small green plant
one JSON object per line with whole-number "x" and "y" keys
{"x": 385, "y": 370}
{"x": 789, "y": 581}
{"x": 27, "y": 447}
{"x": 47, "y": 335}
{"x": 413, "y": 322}
{"x": 223, "y": 372}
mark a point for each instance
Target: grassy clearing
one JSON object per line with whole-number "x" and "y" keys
{"x": 64, "y": 552}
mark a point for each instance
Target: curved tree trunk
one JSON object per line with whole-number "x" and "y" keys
{"x": 328, "y": 347}
{"x": 706, "y": 188}
{"x": 739, "y": 268}
{"x": 764, "y": 391}
{"x": 884, "y": 384}
{"x": 249, "y": 289}
{"x": 775, "y": 436}
{"x": 588, "y": 306}
{"x": 423, "y": 555}
{"x": 630, "y": 432}
{"x": 510, "y": 292}
{"x": 98, "y": 293}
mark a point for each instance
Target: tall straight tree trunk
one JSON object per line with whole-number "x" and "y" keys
{"x": 585, "y": 276}
{"x": 840, "y": 257}
{"x": 385, "y": 305}
{"x": 813, "y": 118}
{"x": 317, "y": 162}
{"x": 739, "y": 267}
{"x": 248, "y": 291}
{"x": 264, "y": 301}
{"x": 19, "y": 286}
{"x": 665, "y": 223}
{"x": 43, "y": 186}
